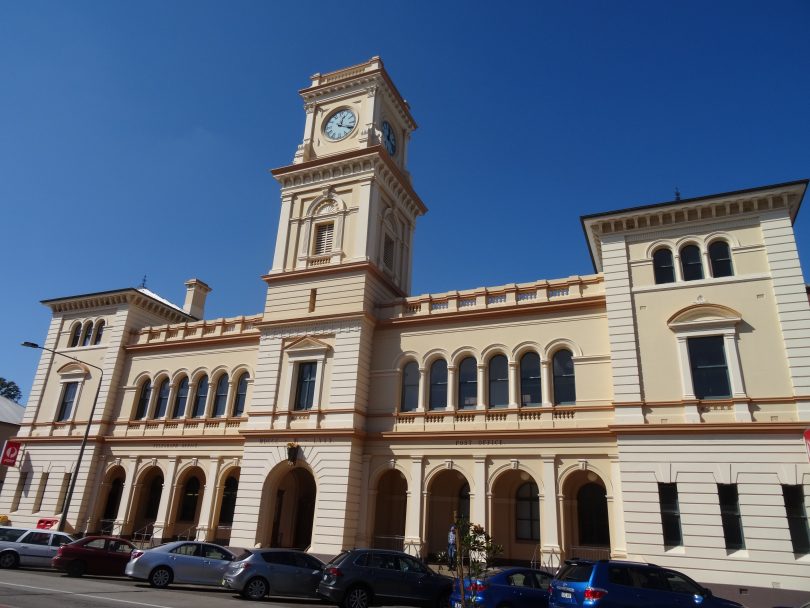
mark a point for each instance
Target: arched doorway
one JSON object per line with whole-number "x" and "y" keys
{"x": 515, "y": 515}
{"x": 187, "y": 504}
{"x": 291, "y": 499}
{"x": 227, "y": 506}
{"x": 389, "y": 512}
{"x": 113, "y": 487}
{"x": 147, "y": 500}
{"x": 449, "y": 495}
{"x": 587, "y": 525}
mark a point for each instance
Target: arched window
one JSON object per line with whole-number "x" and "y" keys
{"x": 467, "y": 383}
{"x": 76, "y": 336}
{"x": 530, "y": 393}
{"x": 180, "y": 399}
{"x": 162, "y": 399}
{"x": 228, "y": 501}
{"x": 527, "y": 512}
{"x": 438, "y": 385}
{"x": 99, "y": 332}
{"x": 410, "y": 387}
{"x": 498, "y": 381}
{"x": 691, "y": 266}
{"x": 221, "y": 397}
{"x": 88, "y": 333}
{"x": 200, "y": 398}
{"x": 241, "y": 395}
{"x": 663, "y": 267}
{"x": 143, "y": 401}
{"x": 564, "y": 389}
{"x": 720, "y": 256}
{"x": 188, "y": 504}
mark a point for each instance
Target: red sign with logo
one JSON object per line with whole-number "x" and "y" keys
{"x": 807, "y": 442}
{"x": 46, "y": 523}
{"x": 10, "y": 452}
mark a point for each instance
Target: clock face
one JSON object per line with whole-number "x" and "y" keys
{"x": 340, "y": 124}
{"x": 389, "y": 139}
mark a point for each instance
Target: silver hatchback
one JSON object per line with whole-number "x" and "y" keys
{"x": 181, "y": 561}
{"x": 284, "y": 572}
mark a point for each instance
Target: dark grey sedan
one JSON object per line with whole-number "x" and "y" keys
{"x": 285, "y": 572}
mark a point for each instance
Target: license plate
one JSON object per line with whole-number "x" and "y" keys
{"x": 565, "y": 595}
{"x": 456, "y": 604}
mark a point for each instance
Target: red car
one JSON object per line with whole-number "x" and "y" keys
{"x": 94, "y": 555}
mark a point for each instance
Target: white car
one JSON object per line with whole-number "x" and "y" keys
{"x": 30, "y": 546}
{"x": 182, "y": 561}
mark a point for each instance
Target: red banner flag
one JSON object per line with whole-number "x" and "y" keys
{"x": 10, "y": 451}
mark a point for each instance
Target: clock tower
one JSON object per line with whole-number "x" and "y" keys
{"x": 345, "y": 236}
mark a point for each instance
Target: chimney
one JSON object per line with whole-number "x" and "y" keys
{"x": 196, "y": 291}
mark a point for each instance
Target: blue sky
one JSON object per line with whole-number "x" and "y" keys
{"x": 136, "y": 137}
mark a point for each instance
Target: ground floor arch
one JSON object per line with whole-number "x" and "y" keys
{"x": 585, "y": 520}
{"x": 112, "y": 489}
{"x": 448, "y": 498}
{"x": 146, "y": 501}
{"x": 390, "y": 511}
{"x": 288, "y": 508}
{"x": 184, "y": 513}
{"x": 515, "y": 514}
{"x": 227, "y": 491}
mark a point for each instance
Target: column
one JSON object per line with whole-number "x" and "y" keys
{"x": 514, "y": 385}
{"x": 363, "y": 532}
{"x": 125, "y": 516}
{"x": 478, "y": 493}
{"x": 166, "y": 498}
{"x": 452, "y": 389}
{"x": 205, "y": 523}
{"x": 549, "y": 523}
{"x": 480, "y": 385}
{"x": 420, "y": 407}
{"x": 618, "y": 541}
{"x": 545, "y": 382}
{"x": 413, "y": 512}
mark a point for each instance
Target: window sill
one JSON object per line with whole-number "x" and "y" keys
{"x": 737, "y": 553}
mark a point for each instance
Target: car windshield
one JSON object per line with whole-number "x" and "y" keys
{"x": 337, "y": 559}
{"x": 575, "y": 573}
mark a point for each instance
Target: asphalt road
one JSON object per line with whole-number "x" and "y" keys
{"x": 34, "y": 588}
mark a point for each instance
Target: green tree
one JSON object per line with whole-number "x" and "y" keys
{"x": 10, "y": 390}
{"x": 475, "y": 551}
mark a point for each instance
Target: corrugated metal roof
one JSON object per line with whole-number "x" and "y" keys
{"x": 10, "y": 412}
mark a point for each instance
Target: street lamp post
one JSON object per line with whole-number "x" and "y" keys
{"x": 75, "y": 474}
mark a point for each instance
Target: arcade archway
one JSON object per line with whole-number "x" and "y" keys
{"x": 288, "y": 520}
{"x": 586, "y": 524}
{"x": 449, "y": 495}
{"x": 390, "y": 510}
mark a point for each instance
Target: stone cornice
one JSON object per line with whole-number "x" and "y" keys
{"x": 118, "y": 297}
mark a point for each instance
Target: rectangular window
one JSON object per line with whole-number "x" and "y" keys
{"x": 60, "y": 502}
{"x": 66, "y": 404}
{"x": 15, "y": 503}
{"x": 43, "y": 482}
{"x": 730, "y": 514}
{"x": 797, "y": 518}
{"x": 323, "y": 238}
{"x": 305, "y": 387}
{"x": 707, "y": 359}
{"x": 670, "y": 514}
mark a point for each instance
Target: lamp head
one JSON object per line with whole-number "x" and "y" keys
{"x": 30, "y": 344}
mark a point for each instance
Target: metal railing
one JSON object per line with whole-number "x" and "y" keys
{"x": 144, "y": 538}
{"x": 394, "y": 542}
{"x": 582, "y": 552}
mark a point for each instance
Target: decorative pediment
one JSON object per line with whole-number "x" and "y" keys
{"x": 308, "y": 345}
{"x": 704, "y": 315}
{"x": 73, "y": 370}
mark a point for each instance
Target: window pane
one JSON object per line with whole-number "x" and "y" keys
{"x": 200, "y": 398}
{"x": 730, "y": 515}
{"x": 670, "y": 514}
{"x": 99, "y": 332}
{"x": 707, "y": 359}
{"x": 797, "y": 518}
{"x": 498, "y": 381}
{"x": 438, "y": 385}
{"x": 221, "y": 397}
{"x": 305, "y": 393}
{"x": 467, "y": 383}
{"x": 77, "y": 335}
{"x": 241, "y": 395}
{"x": 66, "y": 405}
{"x": 323, "y": 238}
{"x": 163, "y": 399}
{"x": 564, "y": 386}
{"x": 663, "y": 267}
{"x": 527, "y": 512}
{"x": 691, "y": 264}
{"x": 88, "y": 332}
{"x": 530, "y": 393}
{"x": 143, "y": 401}
{"x": 410, "y": 387}
{"x": 720, "y": 257}
{"x": 181, "y": 399}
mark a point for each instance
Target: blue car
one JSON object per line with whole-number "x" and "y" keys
{"x": 622, "y": 584}
{"x": 504, "y": 588}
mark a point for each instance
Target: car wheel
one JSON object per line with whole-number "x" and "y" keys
{"x": 255, "y": 589}
{"x": 9, "y": 559}
{"x": 357, "y": 597}
{"x": 76, "y": 568}
{"x": 160, "y": 577}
